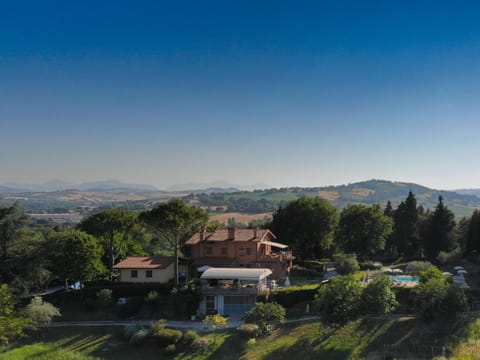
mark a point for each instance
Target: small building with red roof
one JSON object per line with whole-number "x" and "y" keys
{"x": 148, "y": 269}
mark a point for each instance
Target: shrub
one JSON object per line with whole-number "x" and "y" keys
{"x": 435, "y": 298}
{"x": 104, "y": 298}
{"x": 201, "y": 344}
{"x": 152, "y": 298}
{"x": 339, "y": 302}
{"x": 215, "y": 322}
{"x": 167, "y": 337}
{"x": 159, "y": 325}
{"x": 190, "y": 337}
{"x": 39, "y": 312}
{"x": 346, "y": 264}
{"x": 139, "y": 337}
{"x": 170, "y": 349}
{"x": 265, "y": 315}
{"x": 298, "y": 271}
{"x": 251, "y": 341}
{"x": 445, "y": 257}
{"x": 186, "y": 299}
{"x": 293, "y": 295}
{"x": 378, "y": 297}
{"x": 248, "y": 331}
{"x": 416, "y": 267}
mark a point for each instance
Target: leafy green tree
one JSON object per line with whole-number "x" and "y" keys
{"x": 40, "y": 312}
{"x": 265, "y": 315}
{"x": 114, "y": 227}
{"x": 75, "y": 256}
{"x": 406, "y": 235}
{"x": 339, "y": 301}
{"x": 363, "y": 229}
{"x": 11, "y": 221}
{"x": 187, "y": 298}
{"x": 12, "y": 324}
{"x": 346, "y": 264}
{"x": 378, "y": 297}
{"x": 417, "y": 267}
{"x": 439, "y": 231}
{"x": 307, "y": 225}
{"x": 175, "y": 222}
{"x": 436, "y": 298}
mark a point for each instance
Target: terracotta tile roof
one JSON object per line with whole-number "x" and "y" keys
{"x": 223, "y": 235}
{"x": 145, "y": 262}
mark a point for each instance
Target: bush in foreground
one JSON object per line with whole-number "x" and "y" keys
{"x": 248, "y": 331}
{"x": 378, "y": 296}
{"x": 167, "y": 337}
{"x": 39, "y": 312}
{"x": 265, "y": 315}
{"x": 339, "y": 301}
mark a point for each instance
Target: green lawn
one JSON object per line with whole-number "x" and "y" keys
{"x": 364, "y": 338}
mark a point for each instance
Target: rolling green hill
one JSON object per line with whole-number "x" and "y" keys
{"x": 249, "y": 202}
{"x": 367, "y": 192}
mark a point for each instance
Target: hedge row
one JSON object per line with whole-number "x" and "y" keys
{"x": 119, "y": 290}
{"x": 290, "y": 296}
{"x": 302, "y": 272}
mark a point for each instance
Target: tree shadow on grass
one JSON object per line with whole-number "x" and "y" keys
{"x": 231, "y": 349}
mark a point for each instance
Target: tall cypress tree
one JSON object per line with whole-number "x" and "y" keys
{"x": 473, "y": 234}
{"x": 439, "y": 232}
{"x": 406, "y": 235}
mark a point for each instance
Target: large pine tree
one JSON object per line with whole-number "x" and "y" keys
{"x": 439, "y": 232}
{"x": 406, "y": 234}
{"x": 473, "y": 234}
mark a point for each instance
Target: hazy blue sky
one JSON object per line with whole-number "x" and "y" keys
{"x": 281, "y": 92}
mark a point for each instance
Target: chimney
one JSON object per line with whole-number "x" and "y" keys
{"x": 231, "y": 233}
{"x": 255, "y": 233}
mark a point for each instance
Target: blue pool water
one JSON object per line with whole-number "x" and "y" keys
{"x": 404, "y": 278}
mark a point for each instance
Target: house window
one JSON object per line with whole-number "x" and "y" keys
{"x": 241, "y": 251}
{"x": 148, "y": 273}
{"x": 134, "y": 274}
{"x": 224, "y": 251}
{"x": 209, "y": 250}
{"x": 249, "y": 251}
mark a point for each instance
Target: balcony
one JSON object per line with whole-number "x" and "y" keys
{"x": 276, "y": 257}
{"x": 225, "y": 290}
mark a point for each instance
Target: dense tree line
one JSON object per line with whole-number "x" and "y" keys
{"x": 33, "y": 256}
{"x": 314, "y": 229}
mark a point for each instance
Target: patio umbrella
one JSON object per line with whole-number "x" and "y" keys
{"x": 459, "y": 268}
{"x": 397, "y": 271}
{"x": 446, "y": 273}
{"x": 388, "y": 270}
{"x": 461, "y": 271}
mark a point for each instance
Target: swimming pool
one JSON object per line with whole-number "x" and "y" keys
{"x": 404, "y": 278}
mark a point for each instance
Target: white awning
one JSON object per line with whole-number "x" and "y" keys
{"x": 236, "y": 273}
{"x": 275, "y": 244}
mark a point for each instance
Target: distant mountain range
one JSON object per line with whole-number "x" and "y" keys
{"x": 58, "y": 185}
{"x": 216, "y": 186}
{"x": 475, "y": 192}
